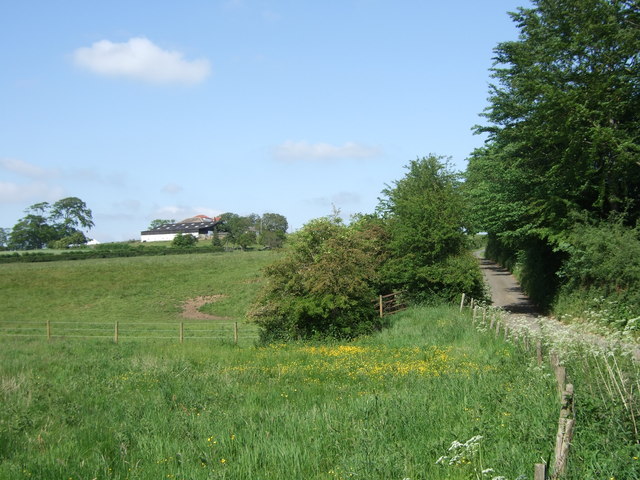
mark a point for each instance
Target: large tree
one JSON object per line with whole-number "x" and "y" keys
{"x": 31, "y": 232}
{"x": 57, "y": 224}
{"x": 71, "y": 214}
{"x": 565, "y": 113}
{"x": 426, "y": 219}
{"x": 563, "y": 132}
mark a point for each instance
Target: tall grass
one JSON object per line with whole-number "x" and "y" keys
{"x": 384, "y": 407}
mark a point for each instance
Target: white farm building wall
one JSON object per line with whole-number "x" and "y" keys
{"x": 162, "y": 237}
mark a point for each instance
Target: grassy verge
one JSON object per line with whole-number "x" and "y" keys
{"x": 385, "y": 407}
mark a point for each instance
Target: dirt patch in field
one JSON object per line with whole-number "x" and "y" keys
{"x": 190, "y": 308}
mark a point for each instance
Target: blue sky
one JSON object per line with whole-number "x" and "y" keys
{"x": 165, "y": 109}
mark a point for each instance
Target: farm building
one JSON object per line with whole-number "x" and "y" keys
{"x": 199, "y": 226}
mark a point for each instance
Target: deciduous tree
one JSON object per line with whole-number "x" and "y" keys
{"x": 426, "y": 220}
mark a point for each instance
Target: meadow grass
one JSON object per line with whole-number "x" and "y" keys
{"x": 135, "y": 289}
{"x": 384, "y": 407}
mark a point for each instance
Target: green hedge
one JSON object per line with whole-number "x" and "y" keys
{"x": 104, "y": 252}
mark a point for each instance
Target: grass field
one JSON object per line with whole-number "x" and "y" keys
{"x": 130, "y": 289}
{"x": 387, "y": 406}
{"x": 382, "y": 408}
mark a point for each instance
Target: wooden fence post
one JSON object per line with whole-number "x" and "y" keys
{"x": 181, "y": 332}
{"x": 381, "y": 307}
{"x": 540, "y": 472}
{"x": 115, "y": 333}
{"x": 235, "y": 333}
{"x": 473, "y": 317}
{"x": 462, "y": 302}
{"x": 48, "y": 330}
{"x": 565, "y": 432}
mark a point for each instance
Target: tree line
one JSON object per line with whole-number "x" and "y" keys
{"x": 56, "y": 225}
{"x": 557, "y": 184}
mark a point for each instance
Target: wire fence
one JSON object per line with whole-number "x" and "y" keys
{"x": 129, "y": 330}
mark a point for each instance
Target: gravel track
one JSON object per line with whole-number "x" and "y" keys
{"x": 507, "y": 294}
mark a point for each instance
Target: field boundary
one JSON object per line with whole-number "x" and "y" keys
{"x": 494, "y": 321}
{"x": 128, "y": 330}
{"x": 390, "y": 303}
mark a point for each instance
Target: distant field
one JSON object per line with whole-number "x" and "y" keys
{"x": 138, "y": 289}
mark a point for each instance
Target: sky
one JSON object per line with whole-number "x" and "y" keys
{"x": 159, "y": 109}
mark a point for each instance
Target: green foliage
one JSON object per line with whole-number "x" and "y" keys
{"x": 563, "y": 134}
{"x": 244, "y": 231}
{"x": 30, "y": 233}
{"x": 425, "y": 216}
{"x": 602, "y": 272}
{"x": 186, "y": 240}
{"x": 273, "y": 230}
{"x": 75, "y": 239}
{"x": 246, "y": 239}
{"x": 46, "y": 223}
{"x": 324, "y": 286}
{"x": 4, "y": 238}
{"x": 158, "y": 222}
{"x": 71, "y": 213}
{"x": 216, "y": 243}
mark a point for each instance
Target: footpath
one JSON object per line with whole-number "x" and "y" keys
{"x": 521, "y": 313}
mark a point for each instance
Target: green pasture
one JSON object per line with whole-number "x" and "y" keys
{"x": 132, "y": 289}
{"x": 388, "y": 406}
{"x": 384, "y": 407}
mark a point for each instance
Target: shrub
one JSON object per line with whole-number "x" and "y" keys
{"x": 181, "y": 240}
{"x": 324, "y": 287}
{"x": 602, "y": 272}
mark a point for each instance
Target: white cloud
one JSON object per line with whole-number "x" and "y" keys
{"x": 23, "y": 168}
{"x": 141, "y": 59}
{"x": 292, "y": 151}
{"x": 36, "y": 191}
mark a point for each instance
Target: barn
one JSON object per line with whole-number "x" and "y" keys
{"x": 200, "y": 226}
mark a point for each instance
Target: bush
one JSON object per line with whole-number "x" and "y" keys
{"x": 324, "y": 287}
{"x": 602, "y": 273}
{"x": 186, "y": 240}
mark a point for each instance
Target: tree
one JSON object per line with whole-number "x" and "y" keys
{"x": 273, "y": 222}
{"x": 246, "y": 239}
{"x": 563, "y": 133}
{"x": 45, "y": 223}
{"x": 158, "y": 222}
{"x": 71, "y": 214}
{"x": 273, "y": 230}
{"x": 566, "y": 108}
{"x": 426, "y": 220}
{"x": 4, "y": 237}
{"x": 324, "y": 286}
{"x": 30, "y": 233}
